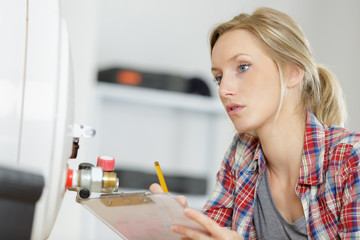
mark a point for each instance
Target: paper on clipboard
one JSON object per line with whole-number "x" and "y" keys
{"x": 140, "y": 215}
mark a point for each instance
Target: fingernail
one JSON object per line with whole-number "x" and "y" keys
{"x": 174, "y": 228}
{"x": 188, "y": 211}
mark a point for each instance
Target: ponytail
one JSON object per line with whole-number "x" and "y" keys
{"x": 331, "y": 109}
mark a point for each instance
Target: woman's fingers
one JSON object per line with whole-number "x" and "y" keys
{"x": 182, "y": 200}
{"x": 190, "y": 233}
{"x": 202, "y": 219}
{"x": 214, "y": 231}
{"x": 156, "y": 188}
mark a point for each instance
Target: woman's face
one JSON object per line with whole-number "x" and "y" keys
{"x": 249, "y": 82}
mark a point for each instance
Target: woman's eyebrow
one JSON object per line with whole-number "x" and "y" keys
{"x": 214, "y": 69}
{"x": 237, "y": 55}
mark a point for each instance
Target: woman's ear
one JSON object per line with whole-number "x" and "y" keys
{"x": 295, "y": 76}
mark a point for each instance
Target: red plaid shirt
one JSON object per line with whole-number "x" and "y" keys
{"x": 329, "y": 183}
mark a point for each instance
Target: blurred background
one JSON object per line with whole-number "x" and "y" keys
{"x": 183, "y": 125}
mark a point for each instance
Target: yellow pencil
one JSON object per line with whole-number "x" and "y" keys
{"x": 161, "y": 177}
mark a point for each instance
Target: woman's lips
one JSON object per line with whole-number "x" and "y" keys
{"x": 233, "y": 108}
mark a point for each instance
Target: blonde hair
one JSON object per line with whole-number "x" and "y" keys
{"x": 282, "y": 38}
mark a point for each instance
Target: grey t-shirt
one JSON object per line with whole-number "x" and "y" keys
{"x": 268, "y": 222}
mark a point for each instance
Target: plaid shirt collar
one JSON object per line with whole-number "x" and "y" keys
{"x": 312, "y": 165}
{"x": 311, "y": 170}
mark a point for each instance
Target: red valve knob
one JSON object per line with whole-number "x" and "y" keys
{"x": 107, "y": 163}
{"x": 69, "y": 179}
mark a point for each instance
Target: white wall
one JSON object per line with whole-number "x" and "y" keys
{"x": 172, "y": 36}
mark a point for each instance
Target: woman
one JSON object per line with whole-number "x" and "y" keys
{"x": 292, "y": 171}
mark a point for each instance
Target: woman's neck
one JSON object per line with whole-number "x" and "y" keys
{"x": 282, "y": 143}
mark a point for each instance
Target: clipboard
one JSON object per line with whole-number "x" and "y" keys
{"x": 140, "y": 215}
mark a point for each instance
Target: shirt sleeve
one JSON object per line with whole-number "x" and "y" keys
{"x": 220, "y": 204}
{"x": 349, "y": 221}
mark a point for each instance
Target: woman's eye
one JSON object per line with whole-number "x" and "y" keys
{"x": 243, "y": 67}
{"x": 218, "y": 79}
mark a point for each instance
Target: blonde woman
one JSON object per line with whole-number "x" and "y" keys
{"x": 292, "y": 170}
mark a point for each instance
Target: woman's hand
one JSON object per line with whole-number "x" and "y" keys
{"x": 156, "y": 188}
{"x": 214, "y": 230}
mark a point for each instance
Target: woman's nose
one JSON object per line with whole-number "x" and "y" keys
{"x": 226, "y": 87}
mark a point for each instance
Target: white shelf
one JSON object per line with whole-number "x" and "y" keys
{"x": 159, "y": 98}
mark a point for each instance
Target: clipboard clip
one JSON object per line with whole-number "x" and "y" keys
{"x": 123, "y": 199}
